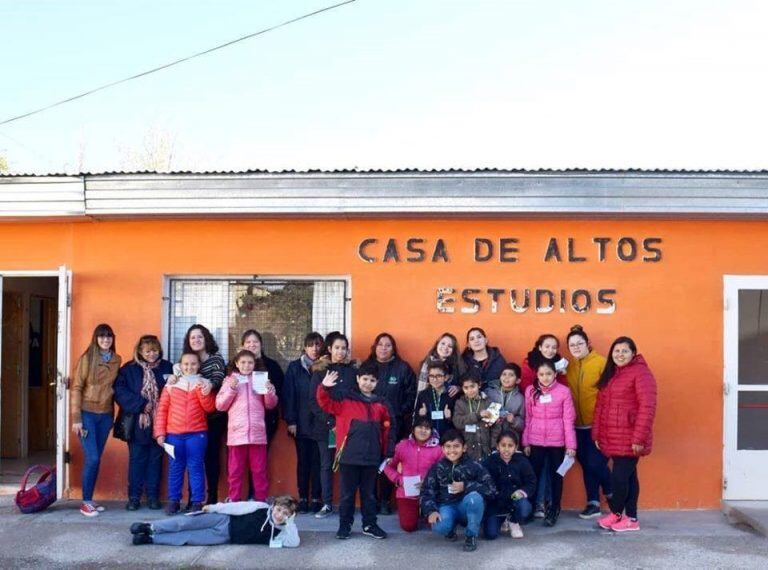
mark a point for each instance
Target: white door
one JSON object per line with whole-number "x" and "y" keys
{"x": 62, "y": 374}
{"x": 746, "y": 388}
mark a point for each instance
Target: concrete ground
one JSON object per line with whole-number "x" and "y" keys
{"x": 61, "y": 537}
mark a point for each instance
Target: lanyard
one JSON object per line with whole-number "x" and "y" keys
{"x": 436, "y": 399}
{"x": 504, "y": 397}
{"x": 469, "y": 404}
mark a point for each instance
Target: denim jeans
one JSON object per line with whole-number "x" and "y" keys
{"x": 594, "y": 466}
{"x": 201, "y": 530}
{"x": 518, "y": 512}
{"x": 145, "y": 461}
{"x": 467, "y": 512}
{"x": 97, "y": 427}
{"x": 189, "y": 449}
{"x": 544, "y": 487}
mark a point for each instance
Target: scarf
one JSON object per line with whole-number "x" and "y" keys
{"x": 149, "y": 393}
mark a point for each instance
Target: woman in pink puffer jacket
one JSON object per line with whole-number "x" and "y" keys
{"x": 549, "y": 430}
{"x": 246, "y": 430}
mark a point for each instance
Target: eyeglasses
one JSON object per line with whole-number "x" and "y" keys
{"x": 435, "y": 376}
{"x": 576, "y": 344}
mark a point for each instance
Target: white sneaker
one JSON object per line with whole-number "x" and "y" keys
{"x": 515, "y": 531}
{"x": 324, "y": 512}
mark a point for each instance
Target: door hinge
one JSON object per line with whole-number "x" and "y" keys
{"x": 69, "y": 299}
{"x": 67, "y": 457}
{"x": 726, "y": 388}
{"x": 725, "y": 483}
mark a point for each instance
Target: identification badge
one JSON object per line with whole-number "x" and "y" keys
{"x": 276, "y": 543}
{"x": 438, "y": 415}
{"x": 545, "y": 399}
{"x": 332, "y": 439}
{"x": 470, "y": 428}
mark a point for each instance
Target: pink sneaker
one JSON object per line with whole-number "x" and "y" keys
{"x": 626, "y": 524}
{"x": 608, "y": 521}
{"x": 88, "y": 510}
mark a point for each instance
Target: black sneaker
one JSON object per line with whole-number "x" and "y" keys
{"x": 344, "y": 532}
{"x": 316, "y": 506}
{"x": 552, "y": 516}
{"x": 172, "y": 508}
{"x": 303, "y": 507}
{"x": 470, "y": 544}
{"x": 385, "y": 509}
{"x": 142, "y": 539}
{"x": 154, "y": 504}
{"x": 590, "y": 511}
{"x": 374, "y": 531}
{"x": 141, "y": 528}
{"x": 195, "y": 507}
{"x": 451, "y": 536}
{"x": 132, "y": 505}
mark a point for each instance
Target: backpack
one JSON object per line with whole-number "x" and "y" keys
{"x": 41, "y": 495}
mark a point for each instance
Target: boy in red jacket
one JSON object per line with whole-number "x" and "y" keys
{"x": 362, "y": 430}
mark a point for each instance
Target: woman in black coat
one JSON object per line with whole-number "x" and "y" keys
{"x": 251, "y": 340}
{"x": 137, "y": 391}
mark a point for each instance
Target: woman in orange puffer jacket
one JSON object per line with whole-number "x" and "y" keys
{"x": 181, "y": 422}
{"x": 622, "y": 428}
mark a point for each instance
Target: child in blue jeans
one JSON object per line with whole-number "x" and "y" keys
{"x": 516, "y": 485}
{"x": 455, "y": 490}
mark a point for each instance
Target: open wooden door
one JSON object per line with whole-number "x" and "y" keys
{"x": 12, "y": 384}
{"x": 62, "y": 378}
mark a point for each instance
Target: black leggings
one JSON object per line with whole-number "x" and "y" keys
{"x": 539, "y": 456}
{"x": 626, "y": 486}
{"x": 217, "y": 430}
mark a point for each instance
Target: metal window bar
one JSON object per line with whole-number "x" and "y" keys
{"x": 282, "y": 310}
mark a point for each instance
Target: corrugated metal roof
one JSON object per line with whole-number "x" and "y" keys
{"x": 539, "y": 171}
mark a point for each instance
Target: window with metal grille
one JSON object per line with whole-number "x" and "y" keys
{"x": 283, "y": 311}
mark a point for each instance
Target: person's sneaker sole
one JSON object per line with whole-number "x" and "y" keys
{"x": 625, "y": 529}
{"x": 376, "y": 536}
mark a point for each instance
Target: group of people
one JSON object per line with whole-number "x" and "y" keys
{"x": 471, "y": 440}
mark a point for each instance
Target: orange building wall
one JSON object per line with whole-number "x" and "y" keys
{"x": 673, "y": 309}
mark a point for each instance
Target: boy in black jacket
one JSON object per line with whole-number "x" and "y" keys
{"x": 515, "y": 482}
{"x": 454, "y": 491}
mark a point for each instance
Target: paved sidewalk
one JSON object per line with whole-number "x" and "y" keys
{"x": 61, "y": 537}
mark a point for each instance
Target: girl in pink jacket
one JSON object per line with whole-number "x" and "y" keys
{"x": 246, "y": 431}
{"x": 549, "y": 430}
{"x": 409, "y": 467}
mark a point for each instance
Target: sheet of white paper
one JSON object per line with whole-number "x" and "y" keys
{"x": 383, "y": 465}
{"x": 260, "y": 382}
{"x": 410, "y": 485}
{"x": 169, "y": 449}
{"x": 565, "y": 465}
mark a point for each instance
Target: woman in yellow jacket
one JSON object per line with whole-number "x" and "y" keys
{"x": 583, "y": 373}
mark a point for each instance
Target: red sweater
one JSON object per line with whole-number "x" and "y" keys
{"x": 528, "y": 375}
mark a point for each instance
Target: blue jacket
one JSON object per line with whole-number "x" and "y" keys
{"x": 296, "y": 398}
{"x": 127, "y": 387}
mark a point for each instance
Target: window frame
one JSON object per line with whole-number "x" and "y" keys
{"x": 168, "y": 279}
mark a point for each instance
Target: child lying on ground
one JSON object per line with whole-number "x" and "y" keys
{"x": 244, "y": 522}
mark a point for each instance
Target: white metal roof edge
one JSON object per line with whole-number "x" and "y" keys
{"x": 719, "y": 194}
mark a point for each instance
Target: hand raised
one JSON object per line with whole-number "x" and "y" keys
{"x": 330, "y": 378}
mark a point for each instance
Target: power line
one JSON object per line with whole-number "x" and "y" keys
{"x": 172, "y": 63}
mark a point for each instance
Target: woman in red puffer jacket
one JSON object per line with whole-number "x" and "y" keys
{"x": 622, "y": 428}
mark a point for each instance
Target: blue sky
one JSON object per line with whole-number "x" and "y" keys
{"x": 389, "y": 84}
